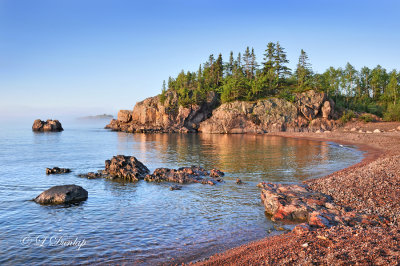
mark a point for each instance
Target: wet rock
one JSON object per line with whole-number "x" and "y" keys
{"x": 62, "y": 194}
{"x": 57, "y": 170}
{"x": 121, "y": 167}
{"x": 92, "y": 175}
{"x": 49, "y": 125}
{"x": 216, "y": 173}
{"x": 193, "y": 174}
{"x": 299, "y": 203}
{"x": 175, "y": 187}
{"x": 239, "y": 181}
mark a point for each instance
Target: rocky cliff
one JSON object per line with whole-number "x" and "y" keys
{"x": 151, "y": 115}
{"x": 309, "y": 111}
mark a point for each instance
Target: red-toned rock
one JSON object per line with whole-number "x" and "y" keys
{"x": 216, "y": 173}
{"x": 124, "y": 116}
{"x": 300, "y": 203}
{"x": 49, "y": 125}
{"x": 193, "y": 174}
{"x": 121, "y": 167}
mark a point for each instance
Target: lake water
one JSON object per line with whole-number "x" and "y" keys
{"x": 144, "y": 223}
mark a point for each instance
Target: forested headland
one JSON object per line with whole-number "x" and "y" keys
{"x": 245, "y": 78}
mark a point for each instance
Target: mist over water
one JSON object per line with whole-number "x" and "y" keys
{"x": 144, "y": 222}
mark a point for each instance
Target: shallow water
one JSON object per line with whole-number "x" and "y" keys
{"x": 144, "y": 222}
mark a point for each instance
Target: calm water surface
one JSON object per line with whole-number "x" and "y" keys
{"x": 144, "y": 223}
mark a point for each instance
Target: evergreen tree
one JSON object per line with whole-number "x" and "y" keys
{"x": 247, "y": 62}
{"x": 163, "y": 93}
{"x": 303, "y": 71}
{"x": 280, "y": 63}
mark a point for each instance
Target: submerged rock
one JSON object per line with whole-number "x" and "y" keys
{"x": 239, "y": 181}
{"x": 184, "y": 175}
{"x": 57, "y": 170}
{"x": 121, "y": 167}
{"x": 62, "y": 194}
{"x": 49, "y": 125}
{"x": 175, "y": 187}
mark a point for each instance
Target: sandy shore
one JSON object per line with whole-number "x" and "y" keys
{"x": 371, "y": 186}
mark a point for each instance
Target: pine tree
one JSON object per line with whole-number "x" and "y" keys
{"x": 280, "y": 63}
{"x": 247, "y": 62}
{"x": 269, "y": 57}
{"x": 218, "y": 70}
{"x": 303, "y": 71}
{"x": 253, "y": 64}
{"x": 163, "y": 96}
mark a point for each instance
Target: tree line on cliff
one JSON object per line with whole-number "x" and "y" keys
{"x": 374, "y": 90}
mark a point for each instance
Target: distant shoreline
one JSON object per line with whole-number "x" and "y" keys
{"x": 92, "y": 117}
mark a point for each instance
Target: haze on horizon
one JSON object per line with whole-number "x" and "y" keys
{"x": 76, "y": 58}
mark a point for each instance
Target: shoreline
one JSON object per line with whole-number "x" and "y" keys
{"x": 370, "y": 186}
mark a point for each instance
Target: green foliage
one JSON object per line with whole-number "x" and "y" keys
{"x": 347, "y": 116}
{"x": 287, "y": 95}
{"x": 163, "y": 96}
{"x": 392, "y": 113}
{"x": 366, "y": 118}
{"x": 241, "y": 78}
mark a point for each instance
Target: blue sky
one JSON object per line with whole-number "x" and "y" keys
{"x": 82, "y": 57}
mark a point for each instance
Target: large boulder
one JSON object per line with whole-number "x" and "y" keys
{"x": 62, "y": 194}
{"x": 309, "y": 103}
{"x": 49, "y": 125}
{"x": 124, "y": 116}
{"x": 121, "y": 167}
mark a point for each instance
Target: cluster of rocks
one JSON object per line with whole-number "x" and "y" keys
{"x": 131, "y": 169}
{"x": 121, "y": 167}
{"x": 298, "y": 203}
{"x": 49, "y": 125}
{"x": 193, "y": 174}
{"x": 310, "y": 111}
{"x": 57, "y": 170}
{"x": 62, "y": 195}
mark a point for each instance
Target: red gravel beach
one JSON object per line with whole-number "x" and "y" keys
{"x": 371, "y": 186}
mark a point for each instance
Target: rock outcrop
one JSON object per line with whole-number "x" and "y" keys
{"x": 49, "y": 125}
{"x": 152, "y": 115}
{"x": 310, "y": 111}
{"x": 121, "y": 167}
{"x": 57, "y": 170}
{"x": 185, "y": 175}
{"x": 62, "y": 194}
{"x": 300, "y": 204}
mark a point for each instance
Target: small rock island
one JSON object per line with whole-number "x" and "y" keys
{"x": 48, "y": 126}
